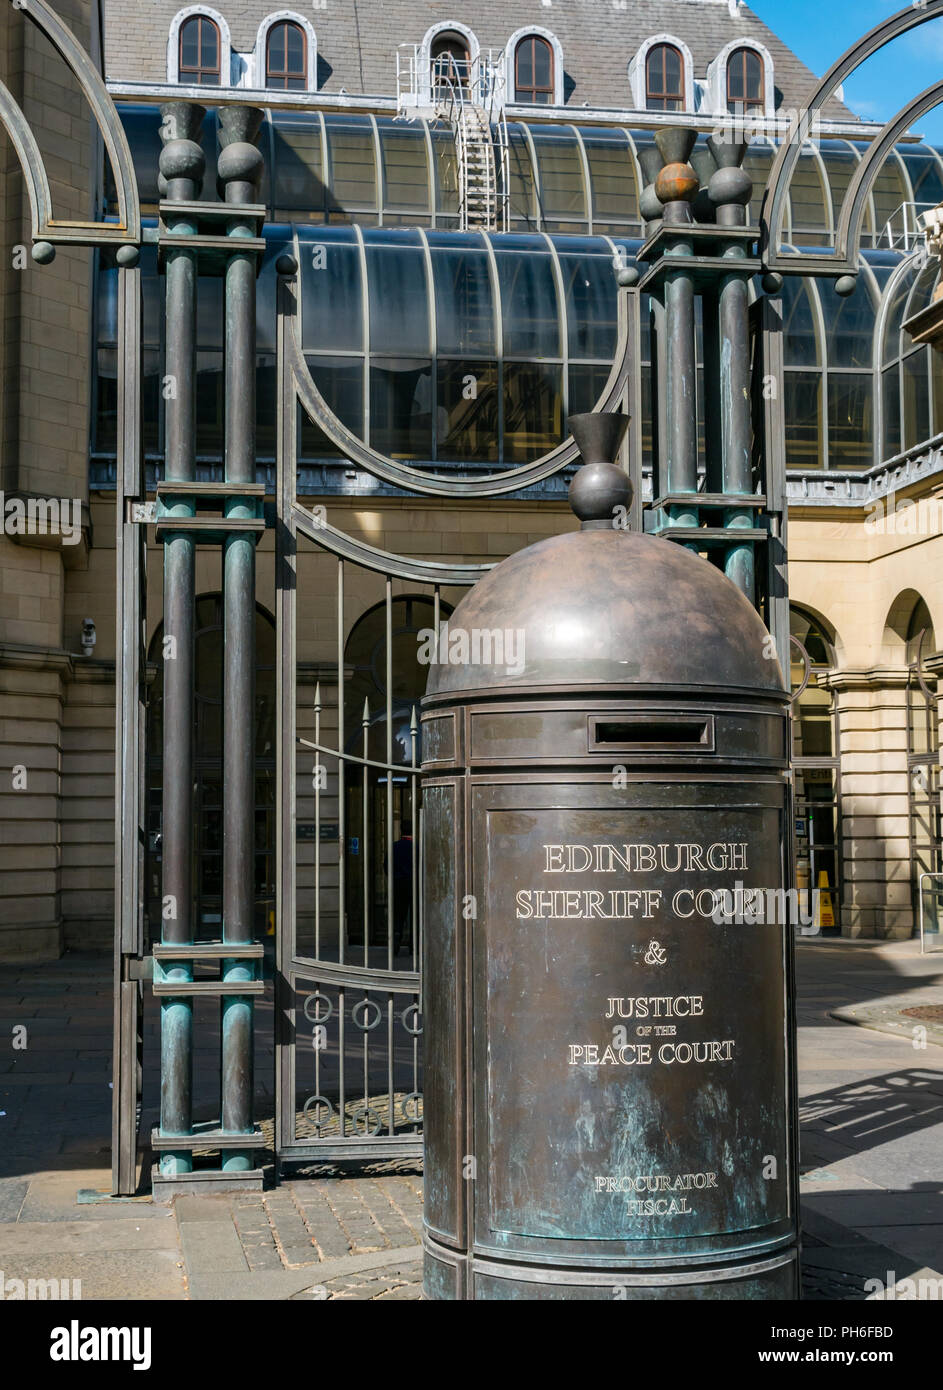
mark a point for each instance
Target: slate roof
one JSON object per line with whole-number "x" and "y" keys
{"x": 357, "y": 39}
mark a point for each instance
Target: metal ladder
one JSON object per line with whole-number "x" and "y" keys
{"x": 468, "y": 97}
{"x": 477, "y": 172}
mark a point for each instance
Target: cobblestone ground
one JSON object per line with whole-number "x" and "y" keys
{"x": 307, "y": 1223}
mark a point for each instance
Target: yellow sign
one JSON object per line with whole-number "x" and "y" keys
{"x": 826, "y": 915}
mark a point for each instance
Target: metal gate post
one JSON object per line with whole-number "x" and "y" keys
{"x": 240, "y": 166}
{"x": 129, "y": 740}
{"x": 729, "y": 190}
{"x": 181, "y": 164}
{"x": 675, "y": 187}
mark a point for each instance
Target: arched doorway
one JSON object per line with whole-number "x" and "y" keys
{"x": 450, "y": 61}
{"x": 816, "y": 765}
{"x": 923, "y": 769}
{"x": 208, "y": 773}
{"x": 385, "y": 682}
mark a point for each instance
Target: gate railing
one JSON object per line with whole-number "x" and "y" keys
{"x": 348, "y": 1008}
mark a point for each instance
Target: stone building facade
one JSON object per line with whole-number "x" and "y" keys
{"x": 56, "y": 707}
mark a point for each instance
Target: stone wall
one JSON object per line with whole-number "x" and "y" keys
{"x": 44, "y": 412}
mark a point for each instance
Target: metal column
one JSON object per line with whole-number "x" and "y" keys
{"x": 240, "y": 166}
{"x": 181, "y": 164}
{"x": 675, "y": 187}
{"x": 729, "y": 190}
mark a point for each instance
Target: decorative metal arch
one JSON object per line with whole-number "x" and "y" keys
{"x": 45, "y": 227}
{"x": 848, "y": 233}
{"x": 437, "y": 484}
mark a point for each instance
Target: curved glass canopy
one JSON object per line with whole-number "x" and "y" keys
{"x": 431, "y": 346}
{"x": 471, "y": 349}
{"x": 563, "y": 178}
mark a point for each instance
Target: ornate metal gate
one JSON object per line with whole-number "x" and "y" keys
{"x": 348, "y": 991}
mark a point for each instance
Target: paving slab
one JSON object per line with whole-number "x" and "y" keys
{"x": 116, "y": 1274}
{"x": 212, "y": 1246}
{"x": 286, "y": 1283}
{"x": 86, "y": 1237}
{"x": 12, "y": 1196}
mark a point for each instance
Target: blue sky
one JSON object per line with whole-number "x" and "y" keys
{"x": 819, "y": 31}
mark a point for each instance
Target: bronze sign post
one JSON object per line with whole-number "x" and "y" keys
{"x": 610, "y": 1100}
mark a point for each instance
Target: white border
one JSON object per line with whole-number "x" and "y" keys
{"x": 256, "y": 66}
{"x": 424, "y": 75}
{"x": 225, "y": 43}
{"x": 637, "y": 70}
{"x": 717, "y": 76}
{"x": 535, "y": 31}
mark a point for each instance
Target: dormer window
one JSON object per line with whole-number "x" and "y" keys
{"x": 740, "y": 81}
{"x": 745, "y": 82}
{"x": 286, "y": 57}
{"x": 199, "y": 52}
{"x": 664, "y": 78}
{"x": 533, "y": 71}
{"x": 450, "y": 62}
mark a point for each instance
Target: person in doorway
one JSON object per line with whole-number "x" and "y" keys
{"x": 402, "y": 887}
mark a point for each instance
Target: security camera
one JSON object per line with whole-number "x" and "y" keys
{"x": 89, "y": 637}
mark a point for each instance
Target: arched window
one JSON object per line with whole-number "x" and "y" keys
{"x": 199, "y": 52}
{"x": 745, "y": 81}
{"x": 451, "y": 63}
{"x": 816, "y": 768}
{"x": 923, "y": 735}
{"x": 286, "y": 57}
{"x": 811, "y": 655}
{"x": 664, "y": 78}
{"x": 533, "y": 71}
{"x": 923, "y": 762}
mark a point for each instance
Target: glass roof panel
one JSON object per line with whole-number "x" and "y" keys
{"x": 529, "y": 305}
{"x": 405, "y": 163}
{"x": 352, "y": 163}
{"x": 298, "y": 184}
{"x": 331, "y": 289}
{"x": 849, "y": 324}
{"x": 841, "y": 161}
{"x": 922, "y": 293}
{"x": 899, "y": 290}
{"x": 590, "y": 297}
{"x": 757, "y": 162}
{"x": 398, "y": 295}
{"x": 560, "y": 169}
{"x": 446, "y": 172}
{"x": 521, "y": 190}
{"x": 925, "y": 174}
{"x": 800, "y": 335}
{"x": 464, "y": 302}
{"x": 611, "y": 174}
{"x": 807, "y": 200}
